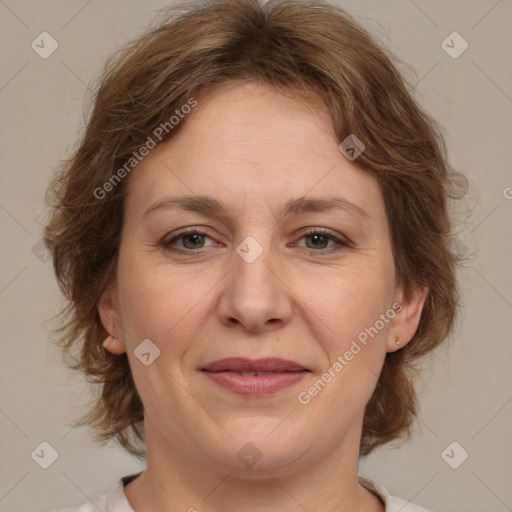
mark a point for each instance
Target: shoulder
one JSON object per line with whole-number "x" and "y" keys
{"x": 87, "y": 507}
{"x": 98, "y": 503}
{"x": 114, "y": 501}
{"x": 392, "y": 503}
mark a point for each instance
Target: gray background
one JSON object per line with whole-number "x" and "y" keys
{"x": 467, "y": 390}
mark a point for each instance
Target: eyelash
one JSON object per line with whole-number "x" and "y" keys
{"x": 340, "y": 242}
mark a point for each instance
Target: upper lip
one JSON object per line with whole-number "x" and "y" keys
{"x": 268, "y": 364}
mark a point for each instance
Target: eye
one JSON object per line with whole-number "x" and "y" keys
{"x": 321, "y": 237}
{"x": 188, "y": 241}
{"x": 193, "y": 240}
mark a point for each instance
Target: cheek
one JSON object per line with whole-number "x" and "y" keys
{"x": 351, "y": 300}
{"x": 160, "y": 303}
{"x": 355, "y": 313}
{"x": 353, "y": 340}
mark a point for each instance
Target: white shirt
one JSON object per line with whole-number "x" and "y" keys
{"x": 115, "y": 500}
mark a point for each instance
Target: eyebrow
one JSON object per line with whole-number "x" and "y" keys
{"x": 208, "y": 205}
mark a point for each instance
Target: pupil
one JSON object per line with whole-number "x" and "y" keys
{"x": 317, "y": 238}
{"x": 194, "y": 236}
{"x": 196, "y": 239}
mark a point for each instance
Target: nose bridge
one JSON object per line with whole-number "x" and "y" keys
{"x": 253, "y": 260}
{"x": 256, "y": 296}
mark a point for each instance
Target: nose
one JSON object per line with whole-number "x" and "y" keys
{"x": 256, "y": 296}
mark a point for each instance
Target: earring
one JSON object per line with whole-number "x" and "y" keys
{"x": 107, "y": 338}
{"x": 397, "y": 342}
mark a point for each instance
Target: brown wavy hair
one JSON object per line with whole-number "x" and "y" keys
{"x": 312, "y": 50}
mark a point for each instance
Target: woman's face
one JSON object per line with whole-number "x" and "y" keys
{"x": 262, "y": 276}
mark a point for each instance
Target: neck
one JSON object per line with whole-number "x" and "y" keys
{"x": 173, "y": 481}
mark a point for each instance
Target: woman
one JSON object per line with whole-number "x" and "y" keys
{"x": 254, "y": 242}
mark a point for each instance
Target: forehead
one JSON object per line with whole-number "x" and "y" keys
{"x": 247, "y": 141}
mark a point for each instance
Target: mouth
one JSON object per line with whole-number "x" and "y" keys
{"x": 255, "y": 374}
{"x": 254, "y": 377}
{"x": 251, "y": 366}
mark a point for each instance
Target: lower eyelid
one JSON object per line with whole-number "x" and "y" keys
{"x": 175, "y": 239}
{"x": 340, "y": 243}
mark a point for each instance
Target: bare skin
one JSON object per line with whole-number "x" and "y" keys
{"x": 305, "y": 298}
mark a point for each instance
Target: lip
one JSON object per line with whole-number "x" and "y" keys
{"x": 243, "y": 364}
{"x": 254, "y": 377}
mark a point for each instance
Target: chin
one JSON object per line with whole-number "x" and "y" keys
{"x": 254, "y": 450}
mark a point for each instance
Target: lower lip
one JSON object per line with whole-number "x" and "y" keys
{"x": 255, "y": 385}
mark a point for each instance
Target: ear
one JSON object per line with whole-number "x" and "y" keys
{"x": 111, "y": 320}
{"x": 407, "y": 318}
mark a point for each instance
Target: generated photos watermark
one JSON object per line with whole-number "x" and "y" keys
{"x": 304, "y": 397}
{"x": 158, "y": 133}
